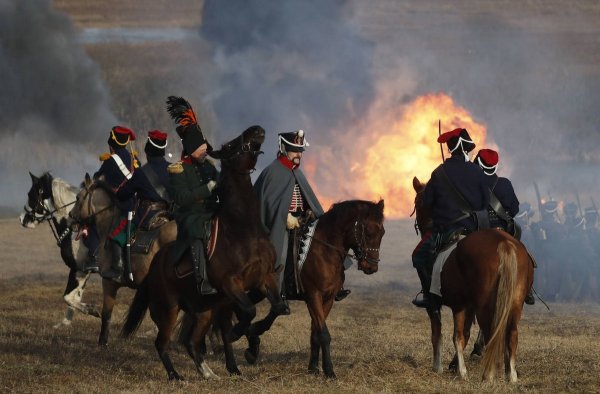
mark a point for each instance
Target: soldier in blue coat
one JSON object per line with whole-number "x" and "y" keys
{"x": 448, "y": 215}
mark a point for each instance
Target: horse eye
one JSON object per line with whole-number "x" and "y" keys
{"x": 40, "y": 191}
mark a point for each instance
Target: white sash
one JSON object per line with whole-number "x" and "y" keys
{"x": 124, "y": 170}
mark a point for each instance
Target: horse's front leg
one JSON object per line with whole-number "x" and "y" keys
{"x": 320, "y": 333}
{"x": 435, "y": 318}
{"x": 74, "y": 293}
{"x": 223, "y": 318}
{"x": 243, "y": 306}
{"x": 109, "y": 289}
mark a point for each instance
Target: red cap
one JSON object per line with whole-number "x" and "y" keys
{"x": 442, "y": 139}
{"x": 157, "y": 135}
{"x": 489, "y": 157}
{"x": 124, "y": 131}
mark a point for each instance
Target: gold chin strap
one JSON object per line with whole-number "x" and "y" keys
{"x": 112, "y": 135}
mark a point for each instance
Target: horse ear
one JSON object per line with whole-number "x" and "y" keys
{"x": 417, "y": 185}
{"x": 380, "y": 205}
{"x": 33, "y": 177}
{"x": 88, "y": 180}
{"x": 216, "y": 154}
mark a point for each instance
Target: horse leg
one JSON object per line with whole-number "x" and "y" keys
{"x": 318, "y": 312}
{"x": 479, "y": 345}
{"x": 468, "y": 322}
{"x": 313, "y": 362}
{"x": 203, "y": 322}
{"x": 109, "y": 289}
{"x": 244, "y": 308}
{"x": 166, "y": 320}
{"x": 460, "y": 340}
{"x": 436, "y": 339}
{"x": 224, "y": 321}
{"x": 512, "y": 339}
{"x": 74, "y": 293}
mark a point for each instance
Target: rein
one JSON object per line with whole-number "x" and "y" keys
{"x": 245, "y": 147}
{"x": 360, "y": 253}
{"x": 47, "y": 215}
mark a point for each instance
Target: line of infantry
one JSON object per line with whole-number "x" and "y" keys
{"x": 463, "y": 195}
{"x": 188, "y": 189}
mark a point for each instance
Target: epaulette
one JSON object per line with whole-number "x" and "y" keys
{"x": 211, "y": 161}
{"x": 104, "y": 156}
{"x": 175, "y": 168}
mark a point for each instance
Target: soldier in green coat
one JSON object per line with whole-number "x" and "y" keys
{"x": 193, "y": 181}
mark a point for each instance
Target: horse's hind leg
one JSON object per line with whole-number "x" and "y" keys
{"x": 109, "y": 289}
{"x": 244, "y": 309}
{"x": 436, "y": 339}
{"x": 463, "y": 320}
{"x": 512, "y": 339}
{"x": 224, "y": 322}
{"x": 468, "y": 322}
{"x": 166, "y": 320}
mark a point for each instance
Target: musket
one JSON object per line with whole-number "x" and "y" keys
{"x": 539, "y": 198}
{"x": 441, "y": 145}
{"x": 594, "y": 204}
{"x": 128, "y": 247}
{"x": 578, "y": 204}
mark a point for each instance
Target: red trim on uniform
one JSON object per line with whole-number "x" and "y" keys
{"x": 287, "y": 163}
{"x": 119, "y": 228}
{"x": 425, "y": 238}
{"x": 186, "y": 159}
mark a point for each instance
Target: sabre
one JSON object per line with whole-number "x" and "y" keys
{"x": 440, "y": 133}
{"x": 128, "y": 247}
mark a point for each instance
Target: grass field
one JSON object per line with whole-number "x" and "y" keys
{"x": 380, "y": 343}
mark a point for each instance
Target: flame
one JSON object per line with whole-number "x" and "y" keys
{"x": 400, "y": 143}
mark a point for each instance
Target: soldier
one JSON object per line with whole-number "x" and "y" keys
{"x": 549, "y": 233}
{"x": 523, "y": 218}
{"x": 450, "y": 212}
{"x": 193, "y": 181}
{"x": 286, "y": 198}
{"x": 116, "y": 170}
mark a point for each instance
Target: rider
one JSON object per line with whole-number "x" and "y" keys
{"x": 193, "y": 181}
{"x": 504, "y": 205}
{"x": 450, "y": 211}
{"x": 117, "y": 168}
{"x": 286, "y": 199}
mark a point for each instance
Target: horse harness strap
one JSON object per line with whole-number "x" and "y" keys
{"x": 458, "y": 198}
{"x": 155, "y": 182}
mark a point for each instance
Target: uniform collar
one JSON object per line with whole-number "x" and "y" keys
{"x": 287, "y": 163}
{"x": 155, "y": 159}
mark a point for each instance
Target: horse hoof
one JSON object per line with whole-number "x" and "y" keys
{"x": 314, "y": 371}
{"x": 175, "y": 376}
{"x": 234, "y": 372}
{"x": 453, "y": 366}
{"x": 250, "y": 356}
{"x": 103, "y": 344}
{"x": 330, "y": 375}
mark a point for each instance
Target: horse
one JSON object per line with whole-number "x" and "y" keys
{"x": 50, "y": 200}
{"x": 96, "y": 202}
{"x": 353, "y": 224}
{"x": 243, "y": 260}
{"x": 486, "y": 276}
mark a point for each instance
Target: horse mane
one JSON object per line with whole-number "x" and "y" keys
{"x": 370, "y": 208}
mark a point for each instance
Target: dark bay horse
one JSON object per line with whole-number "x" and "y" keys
{"x": 96, "y": 202}
{"x": 51, "y": 200}
{"x": 243, "y": 260}
{"x": 487, "y": 276}
{"x": 356, "y": 225}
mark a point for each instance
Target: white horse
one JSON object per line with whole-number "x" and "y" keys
{"x": 51, "y": 199}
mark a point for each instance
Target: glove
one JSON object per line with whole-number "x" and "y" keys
{"x": 292, "y": 222}
{"x": 211, "y": 185}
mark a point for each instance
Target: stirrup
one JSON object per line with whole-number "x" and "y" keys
{"x": 529, "y": 298}
{"x": 205, "y": 289}
{"x": 343, "y": 293}
{"x": 422, "y": 303}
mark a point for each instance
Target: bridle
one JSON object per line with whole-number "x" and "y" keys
{"x": 48, "y": 210}
{"x": 89, "y": 191}
{"x": 418, "y": 205}
{"x": 244, "y": 147}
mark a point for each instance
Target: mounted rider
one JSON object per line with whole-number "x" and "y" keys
{"x": 116, "y": 170}
{"x": 193, "y": 181}
{"x": 456, "y": 194}
{"x": 287, "y": 200}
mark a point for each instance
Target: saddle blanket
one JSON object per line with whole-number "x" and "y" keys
{"x": 440, "y": 260}
{"x": 305, "y": 243}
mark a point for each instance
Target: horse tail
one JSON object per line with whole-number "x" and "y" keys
{"x": 137, "y": 310}
{"x": 507, "y": 272}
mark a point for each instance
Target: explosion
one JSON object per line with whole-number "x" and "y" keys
{"x": 400, "y": 144}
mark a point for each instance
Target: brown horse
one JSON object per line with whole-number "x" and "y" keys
{"x": 356, "y": 225}
{"x": 487, "y": 276}
{"x": 95, "y": 203}
{"x": 243, "y": 259}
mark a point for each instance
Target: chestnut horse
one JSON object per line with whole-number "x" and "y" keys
{"x": 487, "y": 276}
{"x": 243, "y": 260}
{"x": 356, "y": 225}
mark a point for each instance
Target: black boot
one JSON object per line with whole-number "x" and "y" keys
{"x": 199, "y": 259}
{"x": 425, "y": 285}
{"x": 343, "y": 293}
{"x": 116, "y": 267}
{"x": 91, "y": 264}
{"x": 529, "y": 299}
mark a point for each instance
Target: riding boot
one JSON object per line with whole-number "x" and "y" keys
{"x": 425, "y": 285}
{"x": 91, "y": 264}
{"x": 116, "y": 267}
{"x": 199, "y": 259}
{"x": 343, "y": 293}
{"x": 529, "y": 299}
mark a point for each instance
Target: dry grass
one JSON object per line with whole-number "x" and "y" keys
{"x": 380, "y": 343}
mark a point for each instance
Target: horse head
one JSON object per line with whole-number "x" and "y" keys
{"x": 423, "y": 220}
{"x": 93, "y": 198}
{"x": 39, "y": 201}
{"x": 368, "y": 231}
{"x": 241, "y": 153}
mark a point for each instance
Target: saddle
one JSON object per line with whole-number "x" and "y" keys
{"x": 212, "y": 231}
